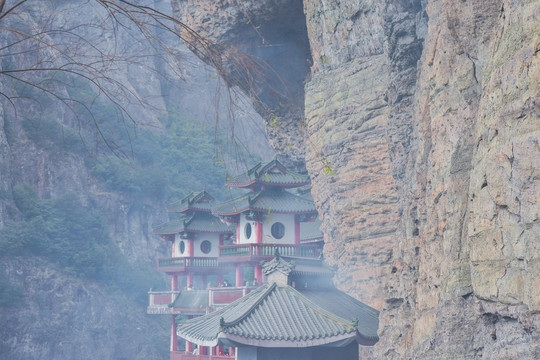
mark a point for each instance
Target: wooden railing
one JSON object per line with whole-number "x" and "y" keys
{"x": 158, "y": 301}
{"x": 181, "y": 263}
{"x": 268, "y": 250}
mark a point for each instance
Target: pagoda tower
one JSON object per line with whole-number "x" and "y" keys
{"x": 268, "y": 218}
{"x": 276, "y": 215}
{"x": 195, "y": 238}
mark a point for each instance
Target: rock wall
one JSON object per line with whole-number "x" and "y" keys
{"x": 67, "y": 318}
{"x": 347, "y": 119}
{"x": 449, "y": 294}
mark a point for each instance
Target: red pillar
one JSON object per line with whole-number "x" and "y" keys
{"x": 238, "y": 231}
{"x": 203, "y": 282}
{"x": 258, "y": 232}
{"x": 174, "y": 338}
{"x": 221, "y": 237}
{"x": 258, "y": 274}
{"x": 239, "y": 275}
{"x": 231, "y": 351}
{"x": 174, "y": 283}
{"x": 191, "y": 247}
{"x": 213, "y": 351}
{"x": 296, "y": 229}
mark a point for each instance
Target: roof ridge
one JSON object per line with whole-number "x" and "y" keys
{"x": 248, "y": 311}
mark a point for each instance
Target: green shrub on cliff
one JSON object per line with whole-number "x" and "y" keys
{"x": 169, "y": 164}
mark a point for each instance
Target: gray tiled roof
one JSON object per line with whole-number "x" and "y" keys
{"x": 199, "y": 222}
{"x": 274, "y": 315}
{"x": 266, "y": 201}
{"x": 194, "y": 201}
{"x": 271, "y": 173}
{"x": 346, "y": 307}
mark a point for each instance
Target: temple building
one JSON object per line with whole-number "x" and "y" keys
{"x": 216, "y": 254}
{"x": 297, "y": 314}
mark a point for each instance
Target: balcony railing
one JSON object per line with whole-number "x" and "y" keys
{"x": 260, "y": 251}
{"x": 158, "y": 301}
{"x": 180, "y": 264}
{"x": 226, "y": 295}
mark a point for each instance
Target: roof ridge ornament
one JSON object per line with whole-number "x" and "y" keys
{"x": 277, "y": 264}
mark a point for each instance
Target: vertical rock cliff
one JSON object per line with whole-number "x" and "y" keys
{"x": 427, "y": 113}
{"x": 460, "y": 290}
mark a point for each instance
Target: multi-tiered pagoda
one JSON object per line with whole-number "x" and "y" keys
{"x": 217, "y": 249}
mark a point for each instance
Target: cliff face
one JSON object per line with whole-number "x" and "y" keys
{"x": 462, "y": 288}
{"x": 64, "y": 316}
{"x": 67, "y": 318}
{"x": 427, "y": 113}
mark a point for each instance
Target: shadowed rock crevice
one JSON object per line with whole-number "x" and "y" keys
{"x": 273, "y": 36}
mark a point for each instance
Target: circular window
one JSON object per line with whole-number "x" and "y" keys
{"x": 278, "y": 230}
{"x": 182, "y": 247}
{"x": 247, "y": 230}
{"x": 206, "y": 246}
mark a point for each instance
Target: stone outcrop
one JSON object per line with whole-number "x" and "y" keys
{"x": 347, "y": 120}
{"x": 346, "y": 117}
{"x": 66, "y": 318}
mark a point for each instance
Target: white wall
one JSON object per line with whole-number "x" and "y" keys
{"x": 243, "y": 239}
{"x": 286, "y": 219}
{"x": 199, "y": 238}
{"x": 213, "y": 238}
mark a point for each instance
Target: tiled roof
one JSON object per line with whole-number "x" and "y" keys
{"x": 266, "y": 201}
{"x": 346, "y": 307}
{"x": 278, "y": 316}
{"x": 199, "y": 222}
{"x": 194, "y": 201}
{"x": 272, "y": 173}
{"x": 313, "y": 267}
{"x": 311, "y": 230}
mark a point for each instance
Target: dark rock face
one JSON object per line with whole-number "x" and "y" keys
{"x": 273, "y": 34}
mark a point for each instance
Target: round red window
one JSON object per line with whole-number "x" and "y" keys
{"x": 247, "y": 230}
{"x": 206, "y": 247}
{"x": 182, "y": 247}
{"x": 278, "y": 230}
